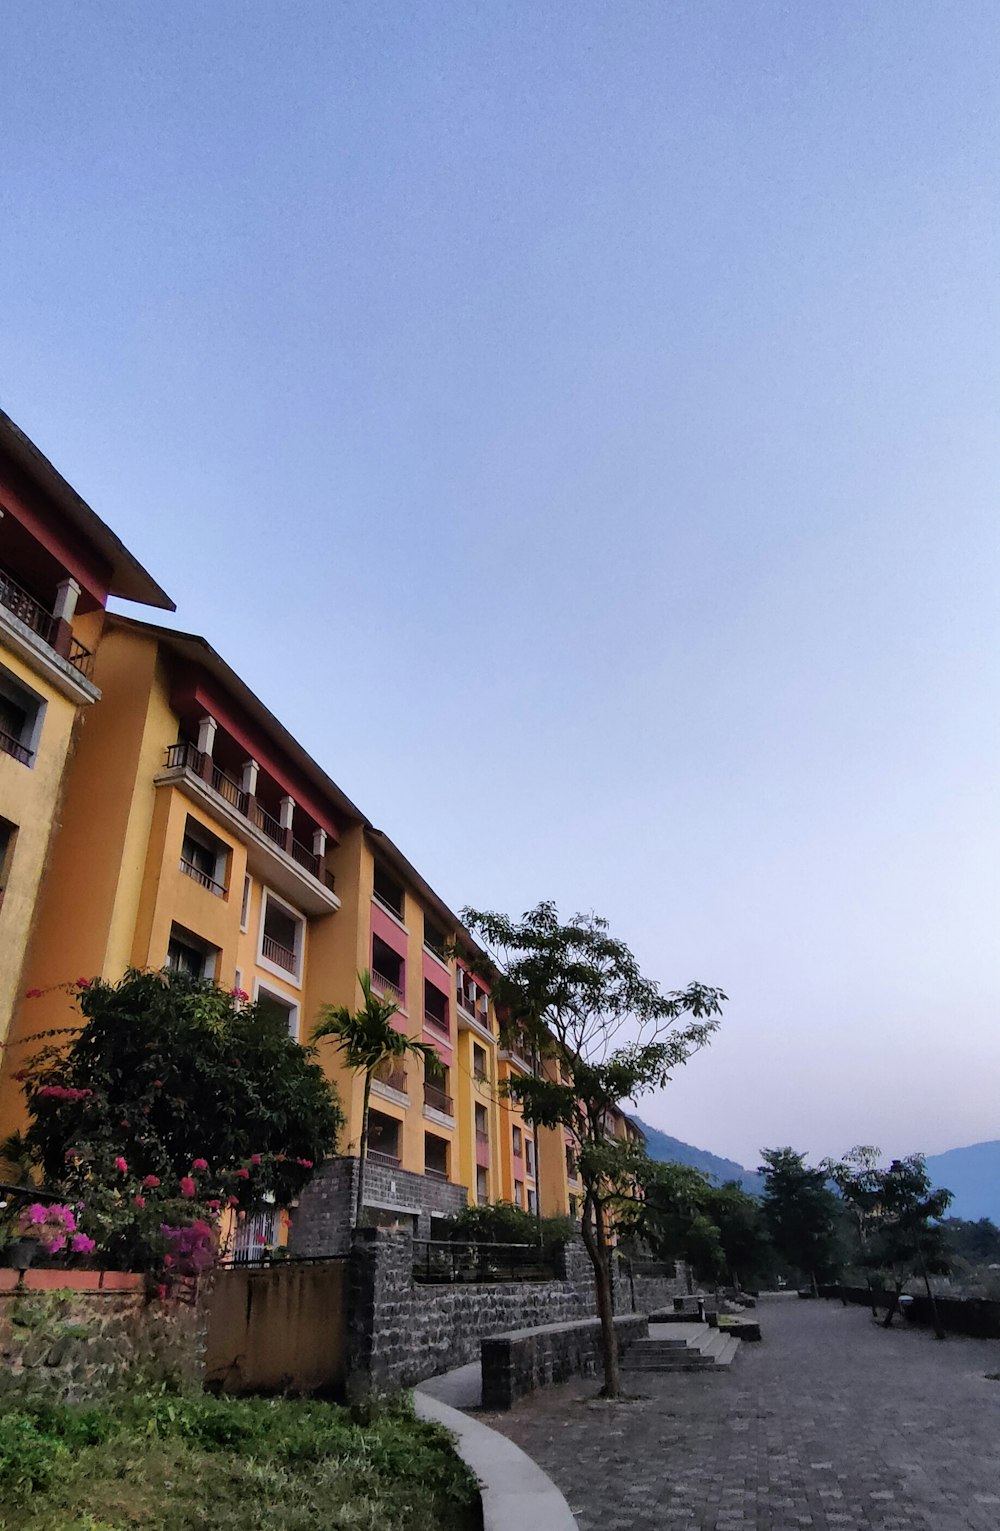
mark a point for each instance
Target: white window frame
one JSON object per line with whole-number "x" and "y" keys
{"x": 247, "y": 900}
{"x": 210, "y": 842}
{"x": 210, "y": 953}
{"x": 267, "y": 897}
{"x": 34, "y": 706}
{"x": 281, "y": 999}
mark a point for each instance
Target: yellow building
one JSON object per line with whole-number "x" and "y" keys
{"x": 208, "y": 840}
{"x": 59, "y": 563}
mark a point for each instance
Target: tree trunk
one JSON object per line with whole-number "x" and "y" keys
{"x": 364, "y": 1148}
{"x": 815, "y": 1286}
{"x": 887, "y": 1321}
{"x": 935, "y": 1316}
{"x": 595, "y": 1239}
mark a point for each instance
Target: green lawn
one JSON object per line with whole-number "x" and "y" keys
{"x": 179, "y": 1463}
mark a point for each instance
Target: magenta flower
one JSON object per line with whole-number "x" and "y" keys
{"x": 37, "y": 1213}
{"x": 138, "y": 1201}
{"x": 188, "y": 1187}
{"x": 243, "y": 1174}
{"x": 121, "y": 1164}
{"x": 151, "y": 1182}
{"x": 255, "y": 1158}
{"x": 80, "y": 1244}
{"x": 199, "y": 1164}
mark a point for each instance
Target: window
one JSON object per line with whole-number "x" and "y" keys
{"x": 532, "y": 1201}
{"x": 388, "y": 970}
{"x": 435, "y": 939}
{"x": 519, "y": 1193}
{"x": 187, "y": 953}
{"x": 482, "y": 1125}
{"x": 436, "y": 1087}
{"x": 435, "y": 1156}
{"x": 482, "y": 1186}
{"x": 388, "y": 891}
{"x": 529, "y": 1156}
{"x": 383, "y": 1139}
{"x": 203, "y": 857}
{"x": 479, "y": 1063}
{"x": 281, "y": 1007}
{"x": 518, "y": 1151}
{"x": 472, "y": 998}
{"x": 8, "y": 834}
{"x": 572, "y": 1206}
{"x": 21, "y": 713}
{"x": 570, "y": 1163}
{"x": 435, "y": 1006}
{"x": 281, "y": 935}
{"x": 245, "y": 908}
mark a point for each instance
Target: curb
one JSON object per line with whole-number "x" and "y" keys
{"x": 516, "y": 1493}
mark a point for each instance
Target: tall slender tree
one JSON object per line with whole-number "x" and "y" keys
{"x": 604, "y": 1034}
{"x": 801, "y": 1213}
{"x": 367, "y": 1038}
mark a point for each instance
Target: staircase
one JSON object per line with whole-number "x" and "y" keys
{"x": 681, "y": 1348}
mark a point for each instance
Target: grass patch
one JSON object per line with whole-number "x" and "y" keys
{"x": 182, "y": 1463}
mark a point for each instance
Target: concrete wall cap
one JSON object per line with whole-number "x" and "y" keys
{"x": 516, "y": 1493}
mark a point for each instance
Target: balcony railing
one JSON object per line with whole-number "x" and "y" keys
{"x": 433, "y": 1173}
{"x": 281, "y": 956}
{"x": 392, "y": 1078}
{"x": 387, "y": 986}
{"x": 80, "y": 658}
{"x": 379, "y": 1156}
{"x": 452, "y": 1261}
{"x": 26, "y": 609}
{"x": 190, "y": 870}
{"x": 229, "y": 789}
{"x": 11, "y": 746}
{"x": 438, "y": 1100}
{"x": 305, "y": 858}
{"x": 482, "y": 1137}
{"x": 185, "y": 756}
{"x": 440, "y": 1021}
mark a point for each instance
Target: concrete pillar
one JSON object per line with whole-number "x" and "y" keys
{"x": 286, "y": 808}
{"x": 67, "y": 595}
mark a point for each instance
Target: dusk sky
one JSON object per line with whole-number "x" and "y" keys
{"x": 581, "y": 424}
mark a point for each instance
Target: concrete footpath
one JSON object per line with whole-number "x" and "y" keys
{"x": 830, "y": 1423}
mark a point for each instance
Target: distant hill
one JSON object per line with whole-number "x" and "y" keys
{"x": 672, "y": 1151}
{"x": 973, "y": 1174}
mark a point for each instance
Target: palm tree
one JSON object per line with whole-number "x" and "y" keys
{"x": 367, "y": 1038}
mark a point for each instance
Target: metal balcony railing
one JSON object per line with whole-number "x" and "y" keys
{"x": 379, "y": 1156}
{"x": 11, "y": 746}
{"x": 433, "y": 1173}
{"x": 281, "y": 956}
{"x": 438, "y": 1100}
{"x": 305, "y": 858}
{"x": 25, "y": 608}
{"x": 190, "y": 870}
{"x": 439, "y": 1021}
{"x": 393, "y": 1077}
{"x": 387, "y": 986}
{"x": 440, "y": 1260}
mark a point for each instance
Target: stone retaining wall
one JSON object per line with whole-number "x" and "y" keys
{"x": 517, "y": 1364}
{"x": 322, "y": 1225}
{"x": 66, "y": 1338}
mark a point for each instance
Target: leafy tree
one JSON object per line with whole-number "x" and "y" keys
{"x": 910, "y": 1240}
{"x": 574, "y": 994}
{"x": 746, "y": 1248}
{"x": 367, "y": 1038}
{"x": 167, "y": 1070}
{"x": 672, "y": 1218}
{"x": 800, "y": 1212}
{"x": 976, "y": 1242}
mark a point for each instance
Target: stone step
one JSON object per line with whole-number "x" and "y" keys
{"x": 703, "y": 1352}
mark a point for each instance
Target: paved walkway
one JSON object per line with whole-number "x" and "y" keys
{"x": 830, "y": 1423}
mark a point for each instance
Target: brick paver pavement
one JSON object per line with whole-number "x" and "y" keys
{"x": 830, "y": 1423}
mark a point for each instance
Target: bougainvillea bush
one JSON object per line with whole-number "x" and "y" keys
{"x": 173, "y": 1102}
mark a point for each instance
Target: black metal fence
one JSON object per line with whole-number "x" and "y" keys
{"x": 440, "y": 1261}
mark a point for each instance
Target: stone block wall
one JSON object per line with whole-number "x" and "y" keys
{"x": 78, "y": 1340}
{"x": 517, "y": 1364}
{"x": 323, "y": 1219}
{"x": 400, "y": 1332}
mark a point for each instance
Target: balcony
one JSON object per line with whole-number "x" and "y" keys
{"x": 436, "y": 1100}
{"x": 281, "y": 956}
{"x": 379, "y": 1156}
{"x": 12, "y": 746}
{"x": 55, "y": 635}
{"x": 435, "y": 1174}
{"x": 273, "y": 853}
{"x": 439, "y": 1022}
{"x": 190, "y": 870}
{"x": 388, "y": 987}
{"x": 392, "y": 1076}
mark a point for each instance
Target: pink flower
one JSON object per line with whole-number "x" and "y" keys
{"x": 188, "y": 1186}
{"x": 234, "y": 1201}
{"x": 37, "y": 1213}
{"x": 84, "y": 983}
{"x": 168, "y": 1259}
{"x": 82, "y": 1245}
{"x": 213, "y": 1206}
{"x": 238, "y": 994}
{"x": 199, "y": 1164}
{"x": 243, "y": 1174}
{"x": 261, "y": 1239}
{"x": 121, "y": 1165}
{"x": 306, "y": 1164}
{"x": 138, "y": 1201}
{"x": 34, "y": 994}
{"x": 69, "y": 1221}
{"x": 151, "y": 1182}
{"x": 255, "y": 1158}
{"x": 157, "y": 1084}
{"x": 53, "y": 1246}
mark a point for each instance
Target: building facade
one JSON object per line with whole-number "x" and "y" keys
{"x": 59, "y": 563}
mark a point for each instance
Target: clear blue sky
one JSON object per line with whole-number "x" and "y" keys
{"x": 579, "y": 422}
